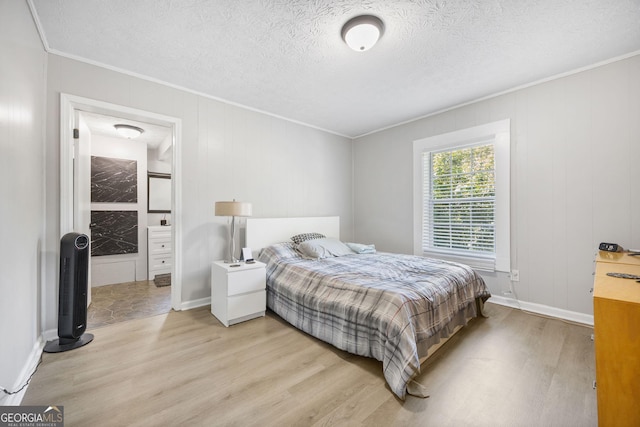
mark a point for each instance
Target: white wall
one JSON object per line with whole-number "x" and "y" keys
{"x": 574, "y": 168}
{"x": 22, "y": 92}
{"x": 283, "y": 168}
{"x": 109, "y": 269}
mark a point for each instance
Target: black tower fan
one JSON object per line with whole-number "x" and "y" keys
{"x": 72, "y": 301}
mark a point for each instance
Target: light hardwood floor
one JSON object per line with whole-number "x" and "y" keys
{"x": 185, "y": 368}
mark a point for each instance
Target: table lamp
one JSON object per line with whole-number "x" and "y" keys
{"x": 233, "y": 209}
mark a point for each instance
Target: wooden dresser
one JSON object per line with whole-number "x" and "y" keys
{"x": 616, "y": 316}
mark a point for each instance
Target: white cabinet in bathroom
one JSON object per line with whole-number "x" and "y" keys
{"x": 159, "y": 249}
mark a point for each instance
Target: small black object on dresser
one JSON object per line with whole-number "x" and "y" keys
{"x": 610, "y": 247}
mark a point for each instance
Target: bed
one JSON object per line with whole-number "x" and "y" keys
{"x": 391, "y": 307}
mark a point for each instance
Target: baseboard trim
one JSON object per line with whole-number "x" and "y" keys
{"x": 25, "y": 374}
{"x": 545, "y": 310}
{"x": 188, "y": 305}
{"x": 49, "y": 335}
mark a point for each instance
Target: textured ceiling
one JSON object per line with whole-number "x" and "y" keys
{"x": 287, "y": 58}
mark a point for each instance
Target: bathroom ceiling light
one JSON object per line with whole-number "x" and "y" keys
{"x": 129, "y": 131}
{"x": 362, "y": 32}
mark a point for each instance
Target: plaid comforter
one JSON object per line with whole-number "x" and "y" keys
{"x": 390, "y": 307}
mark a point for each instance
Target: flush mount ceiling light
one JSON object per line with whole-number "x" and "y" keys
{"x": 128, "y": 131}
{"x": 362, "y": 32}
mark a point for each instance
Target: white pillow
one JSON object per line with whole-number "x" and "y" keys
{"x": 360, "y": 248}
{"x": 323, "y": 248}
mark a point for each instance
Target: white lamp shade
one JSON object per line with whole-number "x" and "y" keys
{"x": 233, "y": 208}
{"x": 362, "y": 32}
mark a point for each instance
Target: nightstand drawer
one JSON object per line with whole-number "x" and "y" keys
{"x": 244, "y": 281}
{"x": 244, "y": 305}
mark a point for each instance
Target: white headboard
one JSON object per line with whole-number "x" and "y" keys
{"x": 262, "y": 232}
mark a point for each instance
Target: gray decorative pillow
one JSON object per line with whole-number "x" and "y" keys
{"x": 299, "y": 238}
{"x": 323, "y": 248}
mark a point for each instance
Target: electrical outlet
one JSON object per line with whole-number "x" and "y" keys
{"x": 515, "y": 275}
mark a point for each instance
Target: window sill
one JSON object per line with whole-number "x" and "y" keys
{"x": 487, "y": 263}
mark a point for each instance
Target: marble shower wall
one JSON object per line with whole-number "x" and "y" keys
{"x": 113, "y": 180}
{"x": 114, "y": 232}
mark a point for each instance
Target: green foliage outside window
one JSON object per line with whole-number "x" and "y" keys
{"x": 463, "y": 198}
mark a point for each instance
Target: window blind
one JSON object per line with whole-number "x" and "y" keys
{"x": 459, "y": 204}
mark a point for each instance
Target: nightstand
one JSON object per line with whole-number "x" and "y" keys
{"x": 238, "y": 293}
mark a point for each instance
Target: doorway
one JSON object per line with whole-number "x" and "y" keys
{"x": 120, "y": 302}
{"x": 76, "y": 212}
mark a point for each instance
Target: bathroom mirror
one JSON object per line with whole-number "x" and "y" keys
{"x": 159, "y": 192}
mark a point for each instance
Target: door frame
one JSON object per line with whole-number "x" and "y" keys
{"x": 68, "y": 105}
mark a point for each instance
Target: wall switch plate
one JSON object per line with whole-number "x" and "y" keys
{"x": 515, "y": 275}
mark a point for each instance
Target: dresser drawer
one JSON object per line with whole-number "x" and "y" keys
{"x": 159, "y": 246}
{"x": 160, "y": 262}
{"x": 245, "y": 281}
{"x": 163, "y": 233}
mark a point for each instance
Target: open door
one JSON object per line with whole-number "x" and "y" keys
{"x": 82, "y": 184}
{"x": 75, "y": 158}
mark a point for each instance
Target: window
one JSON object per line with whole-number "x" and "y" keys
{"x": 459, "y": 196}
{"x": 462, "y": 196}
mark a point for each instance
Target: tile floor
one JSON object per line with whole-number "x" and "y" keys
{"x": 125, "y": 301}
